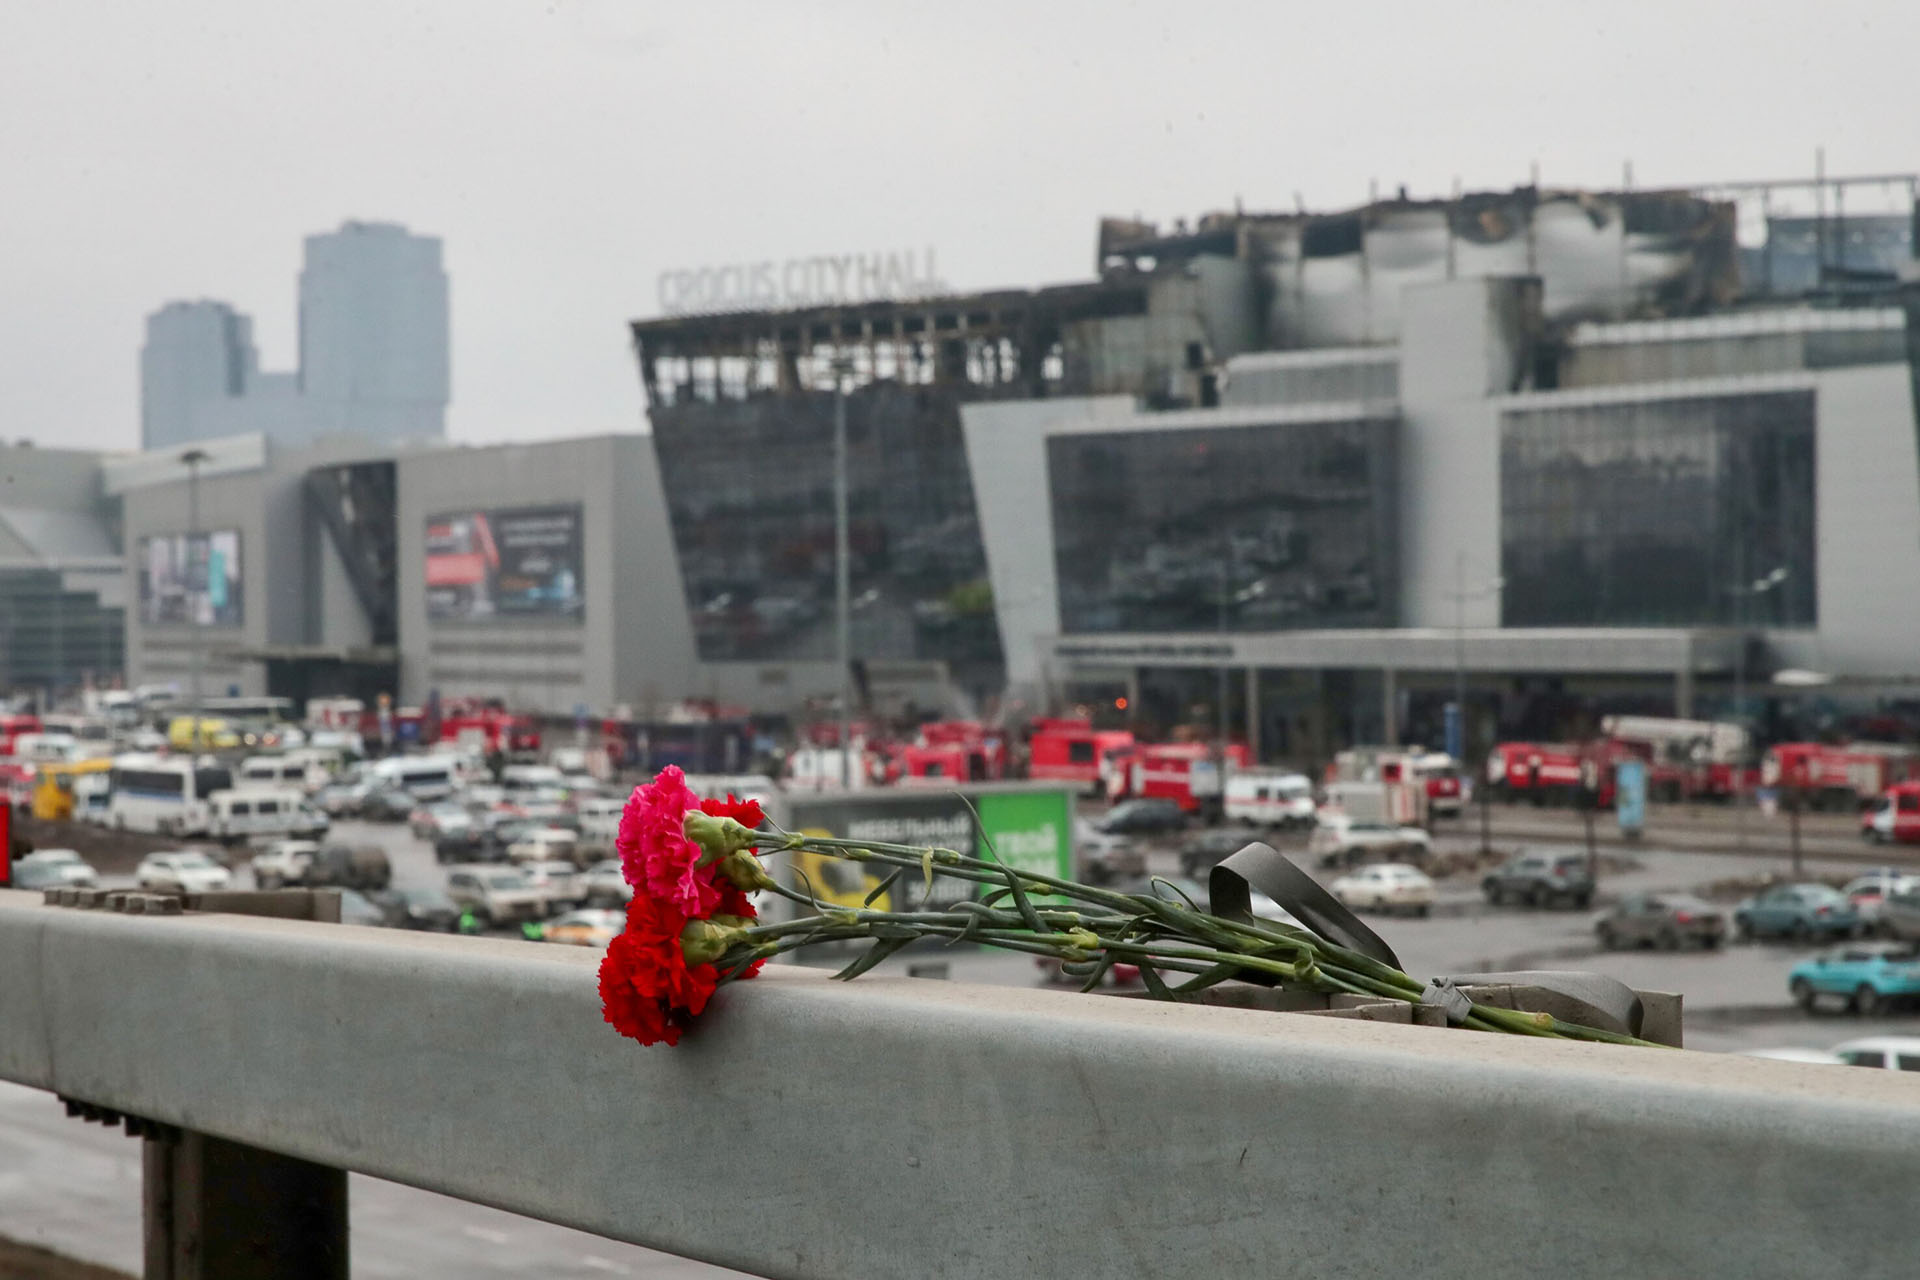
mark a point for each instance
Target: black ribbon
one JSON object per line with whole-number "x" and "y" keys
{"x": 1604, "y": 1002}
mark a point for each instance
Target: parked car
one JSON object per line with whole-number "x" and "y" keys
{"x": 388, "y": 804}
{"x": 1895, "y": 1053}
{"x": 425, "y": 908}
{"x": 53, "y": 869}
{"x": 283, "y": 862}
{"x": 1145, "y": 816}
{"x": 342, "y": 799}
{"x": 1340, "y": 840}
{"x": 1868, "y": 893}
{"x": 590, "y": 927}
{"x": 497, "y": 895}
{"x": 1866, "y": 976}
{"x": 344, "y": 866}
{"x": 1794, "y": 1053}
{"x": 357, "y": 908}
{"x": 1900, "y": 915}
{"x": 1540, "y": 880}
{"x": 181, "y": 871}
{"x": 546, "y": 844}
{"x": 1389, "y": 886}
{"x": 607, "y": 884}
{"x": 1802, "y": 912}
{"x": 442, "y": 817}
{"x": 1200, "y": 854}
{"x": 1668, "y": 921}
{"x": 562, "y": 884}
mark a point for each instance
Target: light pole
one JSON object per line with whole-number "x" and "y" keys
{"x": 1741, "y": 593}
{"x": 1461, "y": 596}
{"x": 842, "y": 569}
{"x": 192, "y": 459}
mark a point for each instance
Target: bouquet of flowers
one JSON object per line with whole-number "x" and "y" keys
{"x": 691, "y": 926}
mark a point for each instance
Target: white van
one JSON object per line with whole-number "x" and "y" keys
{"x": 261, "y": 811}
{"x": 278, "y": 771}
{"x": 1269, "y": 798}
{"x": 546, "y": 844}
{"x": 423, "y": 777}
{"x": 600, "y": 823}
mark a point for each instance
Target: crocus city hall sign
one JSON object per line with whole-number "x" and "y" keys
{"x": 801, "y": 282}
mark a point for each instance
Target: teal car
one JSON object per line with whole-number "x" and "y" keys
{"x": 1867, "y": 976}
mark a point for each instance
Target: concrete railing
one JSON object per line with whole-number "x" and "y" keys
{"x": 894, "y": 1127}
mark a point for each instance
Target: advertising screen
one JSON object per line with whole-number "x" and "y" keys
{"x": 191, "y": 580}
{"x": 522, "y": 562}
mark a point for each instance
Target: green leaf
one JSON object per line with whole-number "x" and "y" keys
{"x": 1212, "y": 977}
{"x": 993, "y": 898}
{"x": 881, "y": 929}
{"x": 885, "y": 885}
{"x": 880, "y": 950}
{"x": 1099, "y": 971}
{"x": 1022, "y": 903}
{"x": 926, "y": 877}
{"x": 1155, "y": 986}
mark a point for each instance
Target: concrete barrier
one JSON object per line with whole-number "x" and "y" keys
{"x": 896, "y": 1127}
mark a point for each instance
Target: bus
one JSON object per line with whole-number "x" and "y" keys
{"x": 167, "y": 795}
{"x": 258, "y": 721}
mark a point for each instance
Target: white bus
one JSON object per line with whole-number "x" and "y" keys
{"x": 300, "y": 769}
{"x": 169, "y": 795}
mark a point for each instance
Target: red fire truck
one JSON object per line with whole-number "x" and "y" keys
{"x": 1839, "y": 777}
{"x": 12, "y": 727}
{"x": 1073, "y": 751}
{"x": 489, "y": 729}
{"x": 1550, "y": 772}
{"x": 1186, "y": 773}
{"x": 1686, "y": 759}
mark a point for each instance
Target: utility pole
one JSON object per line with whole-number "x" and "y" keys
{"x": 192, "y": 459}
{"x": 842, "y": 568}
{"x": 1482, "y": 785}
{"x": 1741, "y": 593}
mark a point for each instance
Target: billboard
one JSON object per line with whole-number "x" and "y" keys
{"x": 1031, "y": 830}
{"x": 521, "y": 562}
{"x": 191, "y": 580}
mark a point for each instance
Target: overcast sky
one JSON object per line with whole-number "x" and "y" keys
{"x": 569, "y": 151}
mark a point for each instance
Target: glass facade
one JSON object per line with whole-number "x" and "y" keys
{"x": 749, "y": 487}
{"x": 1255, "y": 528}
{"x": 1655, "y": 513}
{"x": 55, "y": 637}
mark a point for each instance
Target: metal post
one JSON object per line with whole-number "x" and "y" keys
{"x": 217, "y": 1208}
{"x": 842, "y": 571}
{"x": 1739, "y": 695}
{"x": 193, "y": 458}
{"x": 1794, "y": 797}
{"x": 1460, "y": 651}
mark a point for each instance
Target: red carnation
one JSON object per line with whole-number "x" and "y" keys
{"x": 655, "y": 855}
{"x": 745, "y": 812}
{"x": 734, "y": 902}
{"x": 647, "y": 989}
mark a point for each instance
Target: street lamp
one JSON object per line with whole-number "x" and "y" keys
{"x": 192, "y": 459}
{"x": 1460, "y": 596}
{"x": 842, "y": 568}
{"x": 1742, "y": 592}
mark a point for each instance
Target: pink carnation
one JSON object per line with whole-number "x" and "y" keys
{"x": 655, "y": 854}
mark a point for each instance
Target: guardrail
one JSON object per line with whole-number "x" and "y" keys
{"x": 896, "y": 1127}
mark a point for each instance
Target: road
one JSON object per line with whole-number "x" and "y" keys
{"x": 75, "y": 1188}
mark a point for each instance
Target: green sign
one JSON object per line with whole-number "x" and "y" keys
{"x": 1031, "y": 830}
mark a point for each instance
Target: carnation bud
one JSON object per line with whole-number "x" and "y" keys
{"x": 704, "y": 941}
{"x": 745, "y": 871}
{"x": 718, "y": 836}
{"x": 1084, "y": 939}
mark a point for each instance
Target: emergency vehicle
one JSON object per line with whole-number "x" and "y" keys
{"x": 1839, "y": 777}
{"x": 1686, "y": 759}
{"x": 13, "y": 727}
{"x": 1074, "y": 751}
{"x": 1895, "y": 817}
{"x": 1187, "y": 773}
